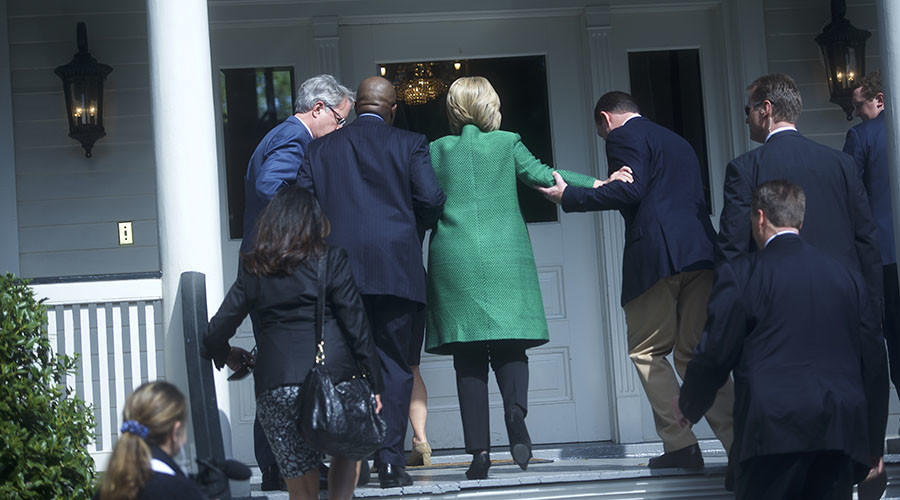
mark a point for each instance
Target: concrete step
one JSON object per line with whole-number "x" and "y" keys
{"x": 584, "y": 471}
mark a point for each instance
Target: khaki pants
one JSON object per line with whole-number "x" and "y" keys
{"x": 669, "y": 318}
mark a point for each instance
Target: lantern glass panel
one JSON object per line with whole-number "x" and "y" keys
{"x": 85, "y": 97}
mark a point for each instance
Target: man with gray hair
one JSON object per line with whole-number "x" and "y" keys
{"x": 322, "y": 106}
{"x": 808, "y": 373}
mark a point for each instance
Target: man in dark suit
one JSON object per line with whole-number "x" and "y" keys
{"x": 809, "y": 375}
{"x": 867, "y": 144}
{"x": 838, "y": 219}
{"x": 667, "y": 262}
{"x": 377, "y": 187}
{"x": 320, "y": 108}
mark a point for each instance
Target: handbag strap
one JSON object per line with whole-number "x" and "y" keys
{"x": 320, "y": 309}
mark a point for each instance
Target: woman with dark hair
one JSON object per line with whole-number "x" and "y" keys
{"x": 277, "y": 282}
{"x": 154, "y": 430}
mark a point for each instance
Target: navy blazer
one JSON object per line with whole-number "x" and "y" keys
{"x": 377, "y": 187}
{"x": 808, "y": 374}
{"x": 667, "y": 226}
{"x": 273, "y": 164}
{"x": 867, "y": 144}
{"x": 838, "y": 219}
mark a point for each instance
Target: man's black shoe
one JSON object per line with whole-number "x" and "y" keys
{"x": 392, "y": 476}
{"x": 272, "y": 480}
{"x": 688, "y": 457}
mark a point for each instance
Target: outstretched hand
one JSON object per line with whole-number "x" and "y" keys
{"x": 554, "y": 193}
{"x": 679, "y": 417}
{"x": 624, "y": 174}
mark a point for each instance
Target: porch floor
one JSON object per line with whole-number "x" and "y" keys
{"x": 586, "y": 470}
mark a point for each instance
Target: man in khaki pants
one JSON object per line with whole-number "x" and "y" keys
{"x": 667, "y": 262}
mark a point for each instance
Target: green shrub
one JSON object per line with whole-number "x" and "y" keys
{"x": 43, "y": 433}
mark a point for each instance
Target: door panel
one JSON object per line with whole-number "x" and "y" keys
{"x": 569, "y": 395}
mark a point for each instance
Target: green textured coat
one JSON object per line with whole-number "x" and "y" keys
{"x": 482, "y": 280}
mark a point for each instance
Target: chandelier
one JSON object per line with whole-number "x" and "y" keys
{"x": 416, "y": 83}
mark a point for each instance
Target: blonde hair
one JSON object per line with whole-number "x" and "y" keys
{"x": 472, "y": 100}
{"x": 156, "y": 406}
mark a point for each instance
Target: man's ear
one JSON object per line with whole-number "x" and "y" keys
{"x": 879, "y": 99}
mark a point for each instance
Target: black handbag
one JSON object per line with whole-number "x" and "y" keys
{"x": 338, "y": 419}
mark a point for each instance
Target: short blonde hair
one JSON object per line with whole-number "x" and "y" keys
{"x": 472, "y": 100}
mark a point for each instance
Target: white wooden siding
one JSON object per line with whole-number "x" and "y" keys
{"x": 68, "y": 205}
{"x": 791, "y": 28}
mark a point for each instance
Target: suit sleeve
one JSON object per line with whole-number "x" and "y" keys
{"x": 720, "y": 346}
{"x": 621, "y": 149}
{"x": 348, "y": 308}
{"x": 223, "y": 325}
{"x": 853, "y": 147}
{"x": 874, "y": 374}
{"x": 427, "y": 196}
{"x": 734, "y": 224}
{"x": 279, "y": 168}
{"x": 865, "y": 237}
{"x": 304, "y": 174}
{"x": 533, "y": 172}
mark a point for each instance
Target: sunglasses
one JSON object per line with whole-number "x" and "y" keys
{"x": 747, "y": 109}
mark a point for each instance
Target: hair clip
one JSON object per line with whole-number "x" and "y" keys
{"x": 134, "y": 427}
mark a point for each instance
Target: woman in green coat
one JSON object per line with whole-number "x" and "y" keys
{"x": 484, "y": 300}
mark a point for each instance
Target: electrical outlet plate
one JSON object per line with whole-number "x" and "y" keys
{"x": 126, "y": 235}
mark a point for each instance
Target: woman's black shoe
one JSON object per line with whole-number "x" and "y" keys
{"x": 272, "y": 480}
{"x": 519, "y": 440}
{"x": 481, "y": 462}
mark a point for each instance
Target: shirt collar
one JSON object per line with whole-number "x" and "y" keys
{"x": 779, "y": 233}
{"x": 370, "y": 114}
{"x": 305, "y": 126}
{"x": 780, "y": 129}
{"x": 636, "y": 115}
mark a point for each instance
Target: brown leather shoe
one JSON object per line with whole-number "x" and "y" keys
{"x": 688, "y": 457}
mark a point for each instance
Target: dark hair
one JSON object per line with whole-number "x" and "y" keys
{"x": 783, "y": 203}
{"x": 156, "y": 407}
{"x": 291, "y": 228}
{"x": 871, "y": 85}
{"x": 615, "y": 102}
{"x": 781, "y": 91}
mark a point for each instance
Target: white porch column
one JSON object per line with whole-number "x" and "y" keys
{"x": 187, "y": 183}
{"x": 889, "y": 38}
{"x": 626, "y": 410}
{"x": 9, "y": 222}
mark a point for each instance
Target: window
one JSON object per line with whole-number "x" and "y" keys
{"x": 253, "y": 101}
{"x": 667, "y": 86}
{"x": 521, "y": 83}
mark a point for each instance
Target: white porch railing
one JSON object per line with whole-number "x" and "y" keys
{"x": 115, "y": 328}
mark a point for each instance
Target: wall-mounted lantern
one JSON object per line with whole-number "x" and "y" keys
{"x": 83, "y": 87}
{"x": 844, "y": 51}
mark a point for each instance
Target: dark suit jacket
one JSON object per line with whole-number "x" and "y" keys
{"x": 285, "y": 310}
{"x": 376, "y": 184}
{"x": 867, "y": 144}
{"x": 273, "y": 164}
{"x": 667, "y": 227}
{"x": 838, "y": 219}
{"x": 807, "y": 375}
{"x": 174, "y": 486}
